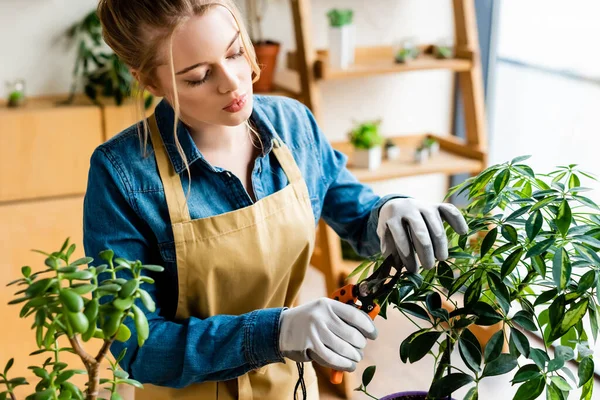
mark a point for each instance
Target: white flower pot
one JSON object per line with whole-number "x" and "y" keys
{"x": 434, "y": 148}
{"x": 421, "y": 156}
{"x": 341, "y": 46}
{"x": 392, "y": 153}
{"x": 370, "y": 159}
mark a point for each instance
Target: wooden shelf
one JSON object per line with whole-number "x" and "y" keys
{"x": 454, "y": 157}
{"x": 379, "y": 60}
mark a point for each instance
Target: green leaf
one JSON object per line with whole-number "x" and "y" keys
{"x": 545, "y": 297}
{"x": 587, "y": 281}
{"x": 540, "y": 247}
{"x": 511, "y": 262}
{"x": 112, "y": 323}
{"x": 501, "y": 180}
{"x": 153, "y": 268}
{"x": 539, "y": 265}
{"x": 586, "y": 392}
{"x": 123, "y": 333}
{"x": 500, "y": 291}
{"x": 116, "y": 396}
{"x": 445, "y": 275}
{"x": 470, "y": 350}
{"x": 561, "y": 383}
{"x": 415, "y": 310}
{"x": 26, "y": 271}
{"x": 510, "y": 233}
{"x": 129, "y": 288}
{"x": 543, "y": 203}
{"x": 141, "y": 325}
{"x": 81, "y": 261}
{"x": 83, "y": 289}
{"x": 147, "y": 300}
{"x": 530, "y": 390}
{"x": 561, "y": 269}
{"x": 473, "y": 293}
{"x": 78, "y": 321}
{"x": 367, "y": 375}
{"x": 520, "y": 341}
{"x": 585, "y": 371}
{"x": 448, "y": 384}
{"x": 587, "y": 253}
{"x": 525, "y": 320}
{"x": 563, "y": 219}
{"x": 500, "y": 365}
{"x": 131, "y": 382}
{"x": 494, "y": 346}
{"x": 9, "y": 365}
{"x": 47, "y": 394}
{"x": 359, "y": 269}
{"x": 526, "y": 373}
{"x": 71, "y": 300}
{"x": 486, "y": 314}
{"x": 519, "y": 159}
{"x": 121, "y": 374}
{"x": 539, "y": 357}
{"x": 421, "y": 345}
{"x": 123, "y": 304}
{"x": 571, "y": 318}
{"x": 518, "y": 213}
{"x": 488, "y": 241}
{"x": 79, "y": 275}
{"x": 39, "y": 287}
{"x": 534, "y": 225}
{"x": 564, "y": 353}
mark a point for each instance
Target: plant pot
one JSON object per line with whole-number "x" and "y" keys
{"x": 406, "y": 396}
{"x": 392, "y": 152}
{"x": 370, "y": 158}
{"x": 421, "y": 155}
{"x": 341, "y": 46}
{"x": 266, "y": 55}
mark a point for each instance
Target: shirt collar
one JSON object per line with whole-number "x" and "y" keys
{"x": 164, "y": 119}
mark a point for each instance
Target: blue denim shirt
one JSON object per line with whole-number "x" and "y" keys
{"x": 125, "y": 210}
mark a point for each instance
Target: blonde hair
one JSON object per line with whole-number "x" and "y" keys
{"x": 134, "y": 30}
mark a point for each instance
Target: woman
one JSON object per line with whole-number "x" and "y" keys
{"x": 225, "y": 192}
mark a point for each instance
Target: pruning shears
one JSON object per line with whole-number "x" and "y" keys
{"x": 367, "y": 294}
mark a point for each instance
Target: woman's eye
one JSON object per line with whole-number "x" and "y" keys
{"x": 199, "y": 82}
{"x": 238, "y": 54}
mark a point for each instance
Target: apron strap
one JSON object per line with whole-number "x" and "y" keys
{"x": 176, "y": 202}
{"x": 286, "y": 160}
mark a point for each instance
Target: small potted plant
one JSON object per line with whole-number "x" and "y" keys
{"x": 421, "y": 154}
{"x": 406, "y": 51}
{"x": 342, "y": 34}
{"x": 443, "y": 49}
{"x": 267, "y": 50}
{"x": 432, "y": 145}
{"x": 70, "y": 306}
{"x": 530, "y": 262}
{"x": 16, "y": 93}
{"x": 392, "y": 151}
{"x": 367, "y": 141}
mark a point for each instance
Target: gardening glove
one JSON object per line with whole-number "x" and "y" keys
{"x": 406, "y": 225}
{"x": 327, "y": 331}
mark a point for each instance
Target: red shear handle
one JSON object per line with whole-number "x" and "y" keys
{"x": 345, "y": 295}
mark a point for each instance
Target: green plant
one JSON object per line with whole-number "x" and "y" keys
{"x": 340, "y": 17}
{"x": 102, "y": 72}
{"x": 366, "y": 135}
{"x": 70, "y": 303}
{"x": 406, "y": 54}
{"x": 529, "y": 262}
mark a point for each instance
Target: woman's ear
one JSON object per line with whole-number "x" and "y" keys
{"x": 152, "y": 89}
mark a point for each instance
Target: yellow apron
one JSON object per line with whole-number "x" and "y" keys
{"x": 248, "y": 259}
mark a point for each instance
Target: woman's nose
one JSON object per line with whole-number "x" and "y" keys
{"x": 228, "y": 81}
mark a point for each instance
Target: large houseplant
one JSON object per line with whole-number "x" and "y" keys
{"x": 97, "y": 67}
{"x": 71, "y": 305}
{"x": 530, "y": 262}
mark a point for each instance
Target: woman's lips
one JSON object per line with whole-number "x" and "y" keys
{"x": 236, "y": 105}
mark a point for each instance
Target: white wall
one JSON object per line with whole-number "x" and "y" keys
{"x": 30, "y": 33}
{"x": 554, "y": 118}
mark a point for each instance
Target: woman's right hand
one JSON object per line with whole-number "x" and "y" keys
{"x": 327, "y": 331}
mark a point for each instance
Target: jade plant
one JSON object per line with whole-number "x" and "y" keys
{"x": 102, "y": 72}
{"x": 70, "y": 306}
{"x": 366, "y": 135}
{"x": 340, "y": 17}
{"x": 530, "y": 265}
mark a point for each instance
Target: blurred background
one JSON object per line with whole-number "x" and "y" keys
{"x": 490, "y": 80}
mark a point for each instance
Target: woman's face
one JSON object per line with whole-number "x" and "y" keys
{"x": 214, "y": 78}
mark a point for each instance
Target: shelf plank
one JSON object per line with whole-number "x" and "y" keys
{"x": 447, "y": 161}
{"x": 372, "y": 61}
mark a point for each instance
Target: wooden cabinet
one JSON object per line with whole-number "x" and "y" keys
{"x": 44, "y": 163}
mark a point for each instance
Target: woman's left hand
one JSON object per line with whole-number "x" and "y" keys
{"x": 426, "y": 230}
